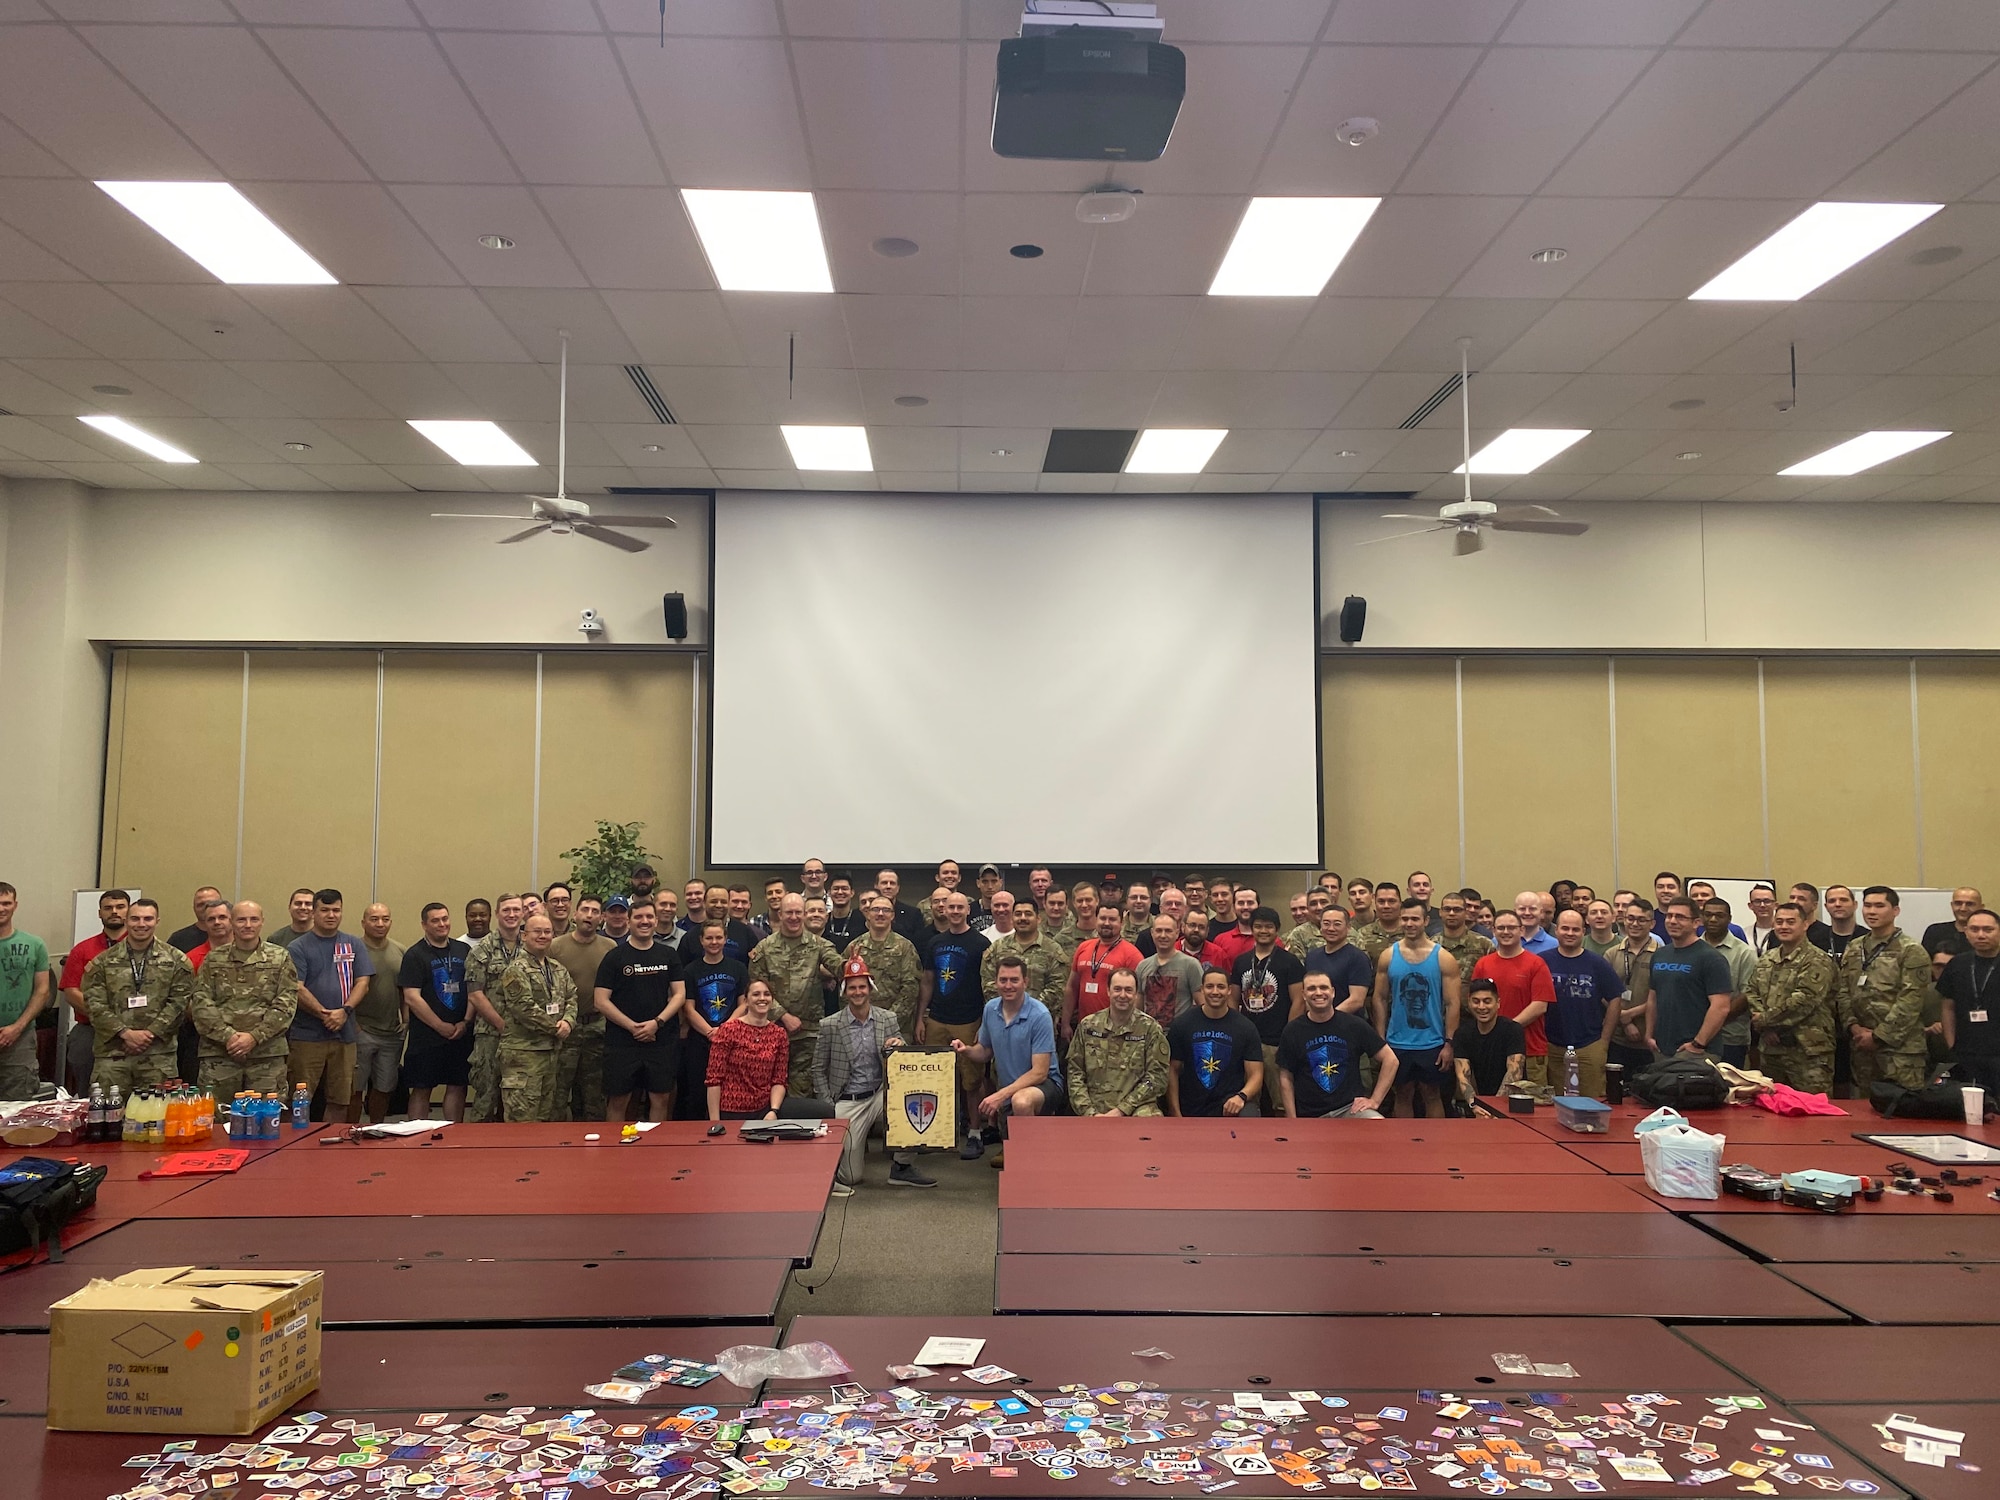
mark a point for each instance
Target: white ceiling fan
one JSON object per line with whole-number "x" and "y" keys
{"x": 558, "y": 513}
{"x": 1470, "y": 519}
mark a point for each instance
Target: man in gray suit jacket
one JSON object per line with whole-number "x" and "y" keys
{"x": 848, "y": 1071}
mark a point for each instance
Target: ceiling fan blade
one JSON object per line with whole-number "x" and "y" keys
{"x": 456, "y": 515}
{"x": 1543, "y": 528}
{"x": 613, "y": 538}
{"x": 522, "y": 536}
{"x": 1397, "y": 536}
{"x": 1527, "y": 513}
{"x": 1397, "y": 515}
{"x": 1466, "y": 542}
{"x": 666, "y": 523}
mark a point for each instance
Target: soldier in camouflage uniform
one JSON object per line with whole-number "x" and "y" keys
{"x": 1138, "y": 914}
{"x": 1044, "y": 963}
{"x": 536, "y": 997}
{"x": 1118, "y": 1057}
{"x": 245, "y": 1000}
{"x": 797, "y": 965}
{"x": 1791, "y": 1006}
{"x": 137, "y": 991}
{"x": 1305, "y": 937}
{"x": 488, "y": 960}
{"x": 1880, "y": 997}
{"x": 1458, "y": 938}
{"x": 892, "y": 962}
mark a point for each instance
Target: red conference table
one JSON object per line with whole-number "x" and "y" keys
{"x": 1844, "y": 1364}
{"x": 125, "y": 1160}
{"x": 1056, "y": 1132}
{"x": 1544, "y": 1286}
{"x": 1909, "y": 1293}
{"x": 1175, "y": 1187}
{"x": 1854, "y": 1427}
{"x": 1280, "y": 1353}
{"x": 576, "y": 1134}
{"x": 1801, "y": 1235}
{"x": 1747, "y": 1123}
{"x": 1858, "y": 1158}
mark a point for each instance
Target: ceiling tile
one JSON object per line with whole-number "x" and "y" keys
{"x": 26, "y": 337}
{"x": 559, "y": 105}
{"x": 995, "y": 222}
{"x": 100, "y": 320}
{"x": 1936, "y": 26}
{"x": 1171, "y": 246}
{"x": 334, "y": 322}
{"x": 1122, "y": 333}
{"x": 1574, "y": 335}
{"x": 1240, "y": 333}
{"x": 90, "y": 231}
{"x": 1492, "y": 323}
{"x": 721, "y": 396}
{"x": 510, "y": 15}
{"x": 692, "y": 18}
{"x": 445, "y": 323}
{"x": 358, "y": 231}
{"x": 1939, "y": 158}
{"x": 902, "y": 333}
{"x": 1418, "y": 22}
{"x": 676, "y": 328}
{"x": 914, "y": 145}
{"x": 628, "y": 237}
{"x": 1589, "y": 229}
{"x": 216, "y": 320}
{"x": 1405, "y": 89}
{"x": 21, "y": 157}
{"x": 871, "y": 20}
{"x": 1684, "y": 245}
{"x": 1023, "y": 333}
{"x": 1353, "y": 333}
{"x": 537, "y": 317}
{"x": 1598, "y": 23}
{"x": 723, "y": 111}
{"x": 73, "y": 105}
{"x": 1235, "y": 96}
{"x": 455, "y": 218}
{"x": 1418, "y": 246}
{"x": 1779, "y": 23}
{"x": 327, "y": 12}
{"x": 1683, "y": 335}
{"x": 311, "y": 389}
{"x": 851, "y": 223}
{"x": 1232, "y": 21}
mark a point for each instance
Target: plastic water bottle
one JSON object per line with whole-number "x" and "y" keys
{"x": 1572, "y": 1075}
{"x": 114, "y": 1116}
{"x": 93, "y": 1122}
{"x": 301, "y": 1107}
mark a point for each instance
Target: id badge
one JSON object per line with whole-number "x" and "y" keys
{"x": 136, "y": 1002}
{"x": 1090, "y": 986}
{"x": 1977, "y": 1017}
{"x": 554, "y": 1008}
{"x": 1861, "y": 983}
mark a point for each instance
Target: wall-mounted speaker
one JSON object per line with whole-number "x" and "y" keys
{"x": 1353, "y": 619}
{"x": 674, "y": 607}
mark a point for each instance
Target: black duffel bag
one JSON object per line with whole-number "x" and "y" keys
{"x": 1937, "y": 1101}
{"x": 1681, "y": 1081}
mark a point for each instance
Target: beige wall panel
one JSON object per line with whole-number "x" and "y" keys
{"x": 615, "y": 741}
{"x": 1958, "y": 704}
{"x": 458, "y": 768}
{"x": 1842, "y": 786}
{"x": 1689, "y": 793}
{"x": 1537, "y": 772}
{"x": 309, "y": 779}
{"x": 1389, "y": 760}
{"x": 170, "y": 776}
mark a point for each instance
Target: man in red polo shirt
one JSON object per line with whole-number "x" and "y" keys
{"x": 1091, "y": 968}
{"x": 111, "y": 907}
{"x": 1236, "y": 941}
{"x": 1526, "y": 991}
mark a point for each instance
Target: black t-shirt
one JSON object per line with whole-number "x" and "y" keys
{"x": 641, "y": 982}
{"x": 1488, "y": 1051}
{"x": 840, "y": 931}
{"x": 438, "y": 974}
{"x": 189, "y": 938}
{"x": 714, "y": 988}
{"x": 1324, "y": 1059}
{"x": 1266, "y": 987}
{"x": 1969, "y": 984}
{"x": 1347, "y": 966}
{"x": 1211, "y": 1055}
{"x": 953, "y": 960}
{"x": 1939, "y": 937}
{"x": 909, "y": 922}
{"x": 738, "y": 938}
{"x": 1219, "y": 925}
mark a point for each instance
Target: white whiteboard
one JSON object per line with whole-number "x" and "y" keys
{"x": 84, "y": 923}
{"x": 1066, "y": 680}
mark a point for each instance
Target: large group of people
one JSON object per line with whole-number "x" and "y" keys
{"x": 1154, "y": 996}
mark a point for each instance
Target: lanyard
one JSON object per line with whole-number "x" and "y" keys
{"x": 1979, "y": 985}
{"x": 139, "y": 967}
{"x": 1098, "y": 963}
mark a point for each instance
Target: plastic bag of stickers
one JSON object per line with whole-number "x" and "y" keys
{"x": 1682, "y": 1162}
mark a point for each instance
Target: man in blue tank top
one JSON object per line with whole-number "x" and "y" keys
{"x": 1416, "y": 1010}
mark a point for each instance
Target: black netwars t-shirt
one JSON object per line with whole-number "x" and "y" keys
{"x": 641, "y": 981}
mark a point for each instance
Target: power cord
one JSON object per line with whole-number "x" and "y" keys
{"x": 839, "y": 1244}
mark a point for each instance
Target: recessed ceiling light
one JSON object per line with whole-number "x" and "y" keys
{"x": 476, "y": 444}
{"x": 833, "y": 448}
{"x": 895, "y": 247}
{"x": 1290, "y": 247}
{"x": 760, "y": 241}
{"x": 1686, "y": 403}
{"x": 1522, "y": 450}
{"x": 652, "y": 448}
{"x": 145, "y": 442}
{"x": 1937, "y": 255}
{"x": 1347, "y": 453}
{"x": 1813, "y": 249}
{"x": 1025, "y": 252}
{"x": 1687, "y": 457}
{"x": 1863, "y": 452}
{"x": 496, "y": 242}
{"x": 1174, "y": 450}
{"x": 1549, "y": 255}
{"x": 1000, "y": 452}
{"x": 913, "y": 401}
{"x": 112, "y": 390}
{"x": 299, "y": 447}
{"x": 223, "y": 231}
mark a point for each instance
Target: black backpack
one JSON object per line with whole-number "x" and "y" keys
{"x": 38, "y": 1196}
{"x": 1682, "y": 1082}
{"x": 1938, "y": 1101}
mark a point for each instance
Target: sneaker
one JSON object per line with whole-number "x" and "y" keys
{"x": 842, "y": 1190}
{"x": 973, "y": 1148}
{"x": 906, "y": 1175}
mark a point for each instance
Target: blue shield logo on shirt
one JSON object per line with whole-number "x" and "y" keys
{"x": 1327, "y": 1057}
{"x": 921, "y": 1110}
{"x": 1212, "y": 1054}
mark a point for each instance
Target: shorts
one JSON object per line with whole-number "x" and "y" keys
{"x": 445, "y": 1065}
{"x": 627, "y": 1070}
{"x": 971, "y": 1071}
{"x": 378, "y": 1061}
{"x": 1420, "y": 1065}
{"x": 311, "y": 1062}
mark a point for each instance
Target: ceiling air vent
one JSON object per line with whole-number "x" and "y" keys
{"x": 1432, "y": 402}
{"x": 649, "y": 393}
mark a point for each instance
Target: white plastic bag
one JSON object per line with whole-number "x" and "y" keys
{"x": 1682, "y": 1162}
{"x": 1659, "y": 1119}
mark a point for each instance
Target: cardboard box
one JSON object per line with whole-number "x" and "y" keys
{"x": 183, "y": 1350}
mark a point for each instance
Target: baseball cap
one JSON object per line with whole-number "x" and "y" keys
{"x": 989, "y": 869}
{"x": 618, "y": 903}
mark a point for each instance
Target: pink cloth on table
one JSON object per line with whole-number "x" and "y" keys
{"x": 1783, "y": 1099}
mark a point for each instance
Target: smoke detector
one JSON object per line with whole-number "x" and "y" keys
{"x": 1358, "y": 131}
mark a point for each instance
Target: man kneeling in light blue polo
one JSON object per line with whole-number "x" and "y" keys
{"x": 1018, "y": 1034}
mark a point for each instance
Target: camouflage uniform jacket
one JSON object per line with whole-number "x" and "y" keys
{"x": 1114, "y": 1066}
{"x": 533, "y": 996}
{"x": 1373, "y": 939}
{"x": 165, "y": 984}
{"x": 1881, "y": 985}
{"x": 1132, "y": 924}
{"x": 1302, "y": 939}
{"x": 1468, "y": 950}
{"x": 257, "y": 992}
{"x": 892, "y": 964}
{"x": 1046, "y": 964}
{"x": 1793, "y": 998}
{"x": 791, "y": 967}
{"x": 1065, "y": 935}
{"x": 487, "y": 961}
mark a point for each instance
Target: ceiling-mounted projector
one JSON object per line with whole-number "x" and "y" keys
{"x": 1087, "y": 80}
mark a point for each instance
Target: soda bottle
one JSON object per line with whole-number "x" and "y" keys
{"x": 301, "y": 1107}
{"x": 114, "y": 1116}
{"x": 175, "y": 1116}
{"x": 1572, "y": 1077}
{"x": 204, "y": 1118}
{"x": 128, "y": 1128}
{"x": 93, "y": 1120}
{"x": 156, "y": 1117}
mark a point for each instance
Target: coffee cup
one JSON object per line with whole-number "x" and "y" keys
{"x": 1975, "y": 1104}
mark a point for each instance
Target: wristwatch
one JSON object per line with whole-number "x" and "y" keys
{"x": 1239, "y": 1095}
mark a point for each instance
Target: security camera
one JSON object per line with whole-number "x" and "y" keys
{"x": 591, "y": 624}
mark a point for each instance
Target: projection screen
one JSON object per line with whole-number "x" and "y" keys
{"x": 1112, "y": 680}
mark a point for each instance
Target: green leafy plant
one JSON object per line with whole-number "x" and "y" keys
{"x": 603, "y": 866}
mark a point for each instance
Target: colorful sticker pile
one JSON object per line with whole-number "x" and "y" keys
{"x": 628, "y": 1383}
{"x": 1128, "y": 1433}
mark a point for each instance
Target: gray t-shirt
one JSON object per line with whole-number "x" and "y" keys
{"x": 1168, "y": 984}
{"x": 328, "y": 967}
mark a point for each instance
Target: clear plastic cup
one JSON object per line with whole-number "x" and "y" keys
{"x": 1975, "y": 1104}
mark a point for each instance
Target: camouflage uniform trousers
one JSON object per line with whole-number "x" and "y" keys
{"x": 1906, "y": 1068}
{"x": 799, "y": 1079}
{"x": 528, "y": 1082}
{"x": 1802, "y": 1068}
{"x": 148, "y": 1069}
{"x": 482, "y": 1094}
{"x": 580, "y": 1074}
{"x": 226, "y": 1077}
